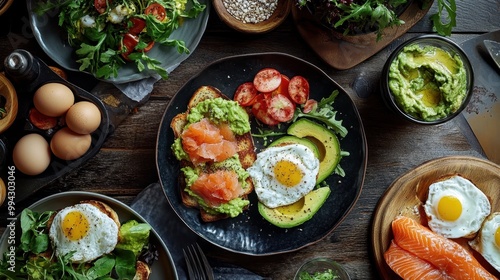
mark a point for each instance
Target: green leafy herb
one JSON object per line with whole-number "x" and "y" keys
{"x": 324, "y": 113}
{"x": 357, "y": 16}
{"x": 99, "y": 37}
{"x": 447, "y": 11}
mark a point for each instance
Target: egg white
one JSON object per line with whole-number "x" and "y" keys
{"x": 269, "y": 190}
{"x": 475, "y": 207}
{"x": 100, "y": 238}
{"x": 485, "y": 243}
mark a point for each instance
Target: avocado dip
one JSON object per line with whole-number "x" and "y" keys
{"x": 428, "y": 82}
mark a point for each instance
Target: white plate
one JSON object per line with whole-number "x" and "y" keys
{"x": 162, "y": 269}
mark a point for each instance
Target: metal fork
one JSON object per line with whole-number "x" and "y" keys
{"x": 197, "y": 264}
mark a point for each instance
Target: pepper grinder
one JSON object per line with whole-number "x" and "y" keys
{"x": 21, "y": 67}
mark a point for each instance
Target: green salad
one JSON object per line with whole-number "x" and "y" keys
{"x": 35, "y": 258}
{"x": 323, "y": 275}
{"x": 110, "y": 33}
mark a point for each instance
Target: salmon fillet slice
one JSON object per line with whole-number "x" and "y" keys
{"x": 445, "y": 254}
{"x": 410, "y": 267}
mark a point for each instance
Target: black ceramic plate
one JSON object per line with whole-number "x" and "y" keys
{"x": 249, "y": 233}
{"x": 162, "y": 269}
{"x": 53, "y": 40}
{"x": 25, "y": 184}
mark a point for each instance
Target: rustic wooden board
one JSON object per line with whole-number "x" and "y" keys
{"x": 407, "y": 193}
{"x": 351, "y": 50}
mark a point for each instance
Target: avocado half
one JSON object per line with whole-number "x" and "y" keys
{"x": 297, "y": 213}
{"x": 326, "y": 142}
{"x": 289, "y": 139}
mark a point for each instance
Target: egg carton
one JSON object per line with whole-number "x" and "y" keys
{"x": 25, "y": 86}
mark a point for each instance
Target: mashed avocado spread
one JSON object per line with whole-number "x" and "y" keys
{"x": 221, "y": 110}
{"x": 428, "y": 82}
{"x": 217, "y": 110}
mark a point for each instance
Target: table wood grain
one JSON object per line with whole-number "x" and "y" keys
{"x": 126, "y": 163}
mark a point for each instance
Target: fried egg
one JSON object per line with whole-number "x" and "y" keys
{"x": 283, "y": 175}
{"x": 84, "y": 230}
{"x": 487, "y": 242}
{"x": 456, "y": 208}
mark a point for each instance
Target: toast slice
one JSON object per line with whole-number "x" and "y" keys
{"x": 246, "y": 150}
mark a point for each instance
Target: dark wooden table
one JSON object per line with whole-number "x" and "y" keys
{"x": 126, "y": 163}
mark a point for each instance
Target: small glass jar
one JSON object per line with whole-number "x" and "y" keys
{"x": 322, "y": 265}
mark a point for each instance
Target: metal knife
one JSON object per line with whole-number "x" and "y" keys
{"x": 493, "y": 48}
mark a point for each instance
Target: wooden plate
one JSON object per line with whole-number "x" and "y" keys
{"x": 352, "y": 50}
{"x": 405, "y": 194}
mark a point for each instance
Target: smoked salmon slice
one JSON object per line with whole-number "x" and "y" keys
{"x": 445, "y": 254}
{"x": 410, "y": 267}
{"x": 205, "y": 142}
{"x": 218, "y": 187}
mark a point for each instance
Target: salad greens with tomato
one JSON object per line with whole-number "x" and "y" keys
{"x": 110, "y": 33}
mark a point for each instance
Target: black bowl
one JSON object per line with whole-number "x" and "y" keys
{"x": 426, "y": 40}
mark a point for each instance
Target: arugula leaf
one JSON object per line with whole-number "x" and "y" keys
{"x": 445, "y": 19}
{"x": 324, "y": 113}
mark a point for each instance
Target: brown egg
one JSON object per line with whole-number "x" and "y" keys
{"x": 31, "y": 154}
{"x": 69, "y": 145}
{"x": 53, "y": 99}
{"x": 83, "y": 117}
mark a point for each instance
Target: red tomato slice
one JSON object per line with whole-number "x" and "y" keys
{"x": 156, "y": 10}
{"x": 298, "y": 89}
{"x": 129, "y": 41}
{"x": 40, "y": 120}
{"x": 245, "y": 94}
{"x": 310, "y": 105}
{"x": 138, "y": 24}
{"x": 260, "y": 111}
{"x": 149, "y": 46}
{"x": 101, "y": 5}
{"x": 281, "y": 108}
{"x": 283, "y": 87}
{"x": 267, "y": 80}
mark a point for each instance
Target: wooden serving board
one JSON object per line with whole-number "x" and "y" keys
{"x": 351, "y": 50}
{"x": 408, "y": 192}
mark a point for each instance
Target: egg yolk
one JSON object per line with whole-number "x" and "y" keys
{"x": 75, "y": 225}
{"x": 449, "y": 208}
{"x": 497, "y": 237}
{"x": 287, "y": 173}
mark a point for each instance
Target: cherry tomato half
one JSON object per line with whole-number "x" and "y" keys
{"x": 101, "y": 5}
{"x": 129, "y": 41}
{"x": 245, "y": 94}
{"x": 260, "y": 110}
{"x": 138, "y": 24}
{"x": 267, "y": 80}
{"x": 156, "y": 10}
{"x": 280, "y": 108}
{"x": 298, "y": 89}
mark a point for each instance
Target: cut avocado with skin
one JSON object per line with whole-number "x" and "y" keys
{"x": 289, "y": 139}
{"x": 297, "y": 213}
{"x": 326, "y": 141}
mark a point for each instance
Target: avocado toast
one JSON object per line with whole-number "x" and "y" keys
{"x": 210, "y": 107}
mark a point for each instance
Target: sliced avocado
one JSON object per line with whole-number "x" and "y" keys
{"x": 326, "y": 140}
{"x": 289, "y": 139}
{"x": 297, "y": 213}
